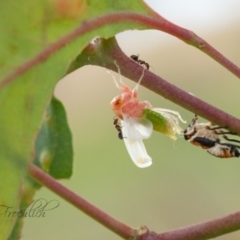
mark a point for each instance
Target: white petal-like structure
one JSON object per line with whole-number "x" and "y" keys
{"x": 134, "y": 131}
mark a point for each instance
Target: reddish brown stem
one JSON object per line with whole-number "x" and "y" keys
{"x": 205, "y": 230}
{"x": 201, "y": 231}
{"x": 157, "y": 22}
{"x": 106, "y": 220}
{"x": 162, "y": 87}
{"x": 104, "y": 52}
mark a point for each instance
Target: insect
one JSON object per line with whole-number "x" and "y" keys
{"x": 136, "y": 59}
{"x": 118, "y": 127}
{"x": 207, "y": 136}
{"x": 139, "y": 119}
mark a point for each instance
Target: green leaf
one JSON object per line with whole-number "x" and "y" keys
{"x": 28, "y": 190}
{"x": 27, "y": 27}
{"x": 54, "y": 153}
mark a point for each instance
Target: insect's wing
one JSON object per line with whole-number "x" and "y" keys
{"x": 138, "y": 153}
{"x": 165, "y": 121}
{"x": 134, "y": 130}
{"x": 173, "y": 126}
{"x": 137, "y": 128}
{"x": 205, "y": 143}
{"x": 164, "y": 110}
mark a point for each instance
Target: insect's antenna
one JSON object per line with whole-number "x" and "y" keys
{"x": 139, "y": 81}
{"x": 152, "y": 68}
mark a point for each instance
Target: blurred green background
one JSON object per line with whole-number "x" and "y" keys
{"x": 185, "y": 185}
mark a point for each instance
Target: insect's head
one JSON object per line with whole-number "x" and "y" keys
{"x": 134, "y": 57}
{"x": 121, "y": 100}
{"x": 116, "y": 105}
{"x": 118, "y": 102}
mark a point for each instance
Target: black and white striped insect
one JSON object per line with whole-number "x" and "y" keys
{"x": 117, "y": 125}
{"x": 207, "y": 136}
{"x": 141, "y": 62}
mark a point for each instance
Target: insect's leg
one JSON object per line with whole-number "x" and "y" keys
{"x": 230, "y": 140}
{"x": 217, "y": 127}
{"x": 230, "y": 133}
{"x": 147, "y": 65}
{"x": 144, "y": 63}
{"x": 221, "y": 132}
{"x": 229, "y": 145}
{"x": 194, "y": 120}
{"x": 139, "y": 81}
{"x": 114, "y": 79}
{"x": 119, "y": 72}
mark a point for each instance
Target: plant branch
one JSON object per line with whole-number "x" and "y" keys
{"x": 201, "y": 231}
{"x": 205, "y": 230}
{"x": 156, "y": 22}
{"x": 104, "y": 52}
{"x": 106, "y": 220}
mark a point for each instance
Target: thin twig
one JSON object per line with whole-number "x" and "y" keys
{"x": 157, "y": 22}
{"x": 201, "y": 231}
{"x": 205, "y": 230}
{"x": 109, "y": 222}
{"x": 105, "y": 51}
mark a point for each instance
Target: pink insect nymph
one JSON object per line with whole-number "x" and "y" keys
{"x": 139, "y": 119}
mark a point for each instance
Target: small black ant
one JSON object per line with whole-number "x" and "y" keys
{"x": 118, "y": 127}
{"x": 141, "y": 62}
